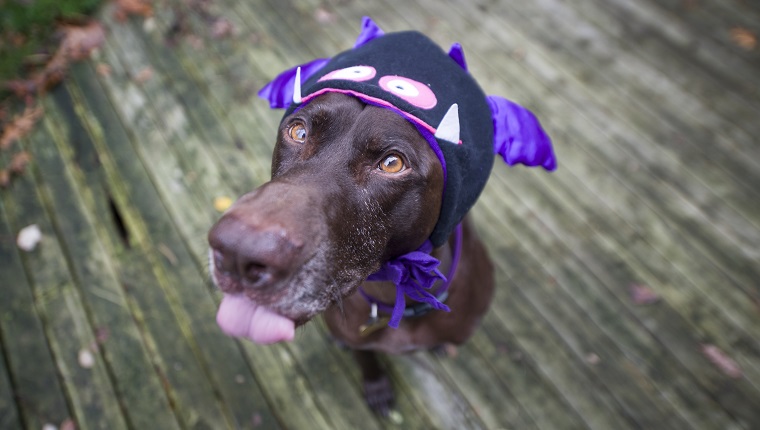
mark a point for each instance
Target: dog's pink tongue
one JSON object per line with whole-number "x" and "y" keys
{"x": 240, "y": 317}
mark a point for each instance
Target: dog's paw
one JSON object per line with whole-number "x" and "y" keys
{"x": 379, "y": 395}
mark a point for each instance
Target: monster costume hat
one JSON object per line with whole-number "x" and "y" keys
{"x": 409, "y": 74}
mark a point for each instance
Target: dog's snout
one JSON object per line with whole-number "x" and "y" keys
{"x": 254, "y": 256}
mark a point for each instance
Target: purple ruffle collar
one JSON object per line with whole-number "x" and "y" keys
{"x": 414, "y": 275}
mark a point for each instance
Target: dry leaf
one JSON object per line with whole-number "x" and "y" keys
{"x": 221, "y": 204}
{"x": 20, "y": 126}
{"x": 68, "y": 425}
{"x": 643, "y": 295}
{"x": 18, "y": 162}
{"x": 324, "y": 16}
{"x": 103, "y": 69}
{"x": 593, "y": 359}
{"x": 5, "y": 178}
{"x": 722, "y": 361}
{"x": 125, "y": 8}
{"x": 79, "y": 41}
{"x": 144, "y": 75}
{"x": 744, "y": 38}
{"x": 221, "y": 28}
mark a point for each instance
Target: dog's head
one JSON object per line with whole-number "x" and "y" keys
{"x": 352, "y": 186}
{"x": 386, "y": 146}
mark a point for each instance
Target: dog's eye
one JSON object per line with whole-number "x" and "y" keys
{"x": 297, "y": 132}
{"x": 392, "y": 164}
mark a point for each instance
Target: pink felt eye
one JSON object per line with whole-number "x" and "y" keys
{"x": 355, "y": 73}
{"x": 410, "y": 90}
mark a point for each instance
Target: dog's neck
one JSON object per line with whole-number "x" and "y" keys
{"x": 418, "y": 263}
{"x": 385, "y": 291}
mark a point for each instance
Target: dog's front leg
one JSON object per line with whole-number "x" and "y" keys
{"x": 378, "y": 390}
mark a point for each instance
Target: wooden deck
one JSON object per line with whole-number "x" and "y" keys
{"x": 654, "y": 108}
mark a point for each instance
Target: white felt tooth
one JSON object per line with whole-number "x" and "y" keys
{"x": 297, "y": 87}
{"x": 448, "y": 129}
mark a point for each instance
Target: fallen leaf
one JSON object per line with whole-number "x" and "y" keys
{"x": 324, "y": 16}
{"x": 144, "y": 75}
{"x": 80, "y": 40}
{"x": 223, "y": 203}
{"x": 125, "y": 8}
{"x": 19, "y": 162}
{"x": 29, "y": 237}
{"x": 722, "y": 361}
{"x": 103, "y": 69}
{"x": 5, "y": 178}
{"x": 77, "y": 43}
{"x": 101, "y": 335}
{"x": 593, "y": 359}
{"x": 20, "y": 125}
{"x": 221, "y": 28}
{"x": 643, "y": 295}
{"x": 744, "y": 38}
{"x": 68, "y": 425}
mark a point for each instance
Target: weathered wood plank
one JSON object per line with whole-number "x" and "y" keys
{"x": 406, "y": 414}
{"x": 618, "y": 149}
{"x": 173, "y": 358}
{"x": 630, "y": 85}
{"x": 154, "y": 235}
{"x": 656, "y": 236}
{"x": 729, "y": 65}
{"x": 647, "y": 360}
{"x": 124, "y": 352}
{"x": 89, "y": 391}
{"x": 503, "y": 360}
{"x": 267, "y": 368}
{"x": 37, "y": 390}
{"x": 37, "y": 396}
{"x": 633, "y": 37}
{"x": 9, "y": 416}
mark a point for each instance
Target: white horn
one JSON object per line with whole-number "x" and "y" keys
{"x": 448, "y": 129}
{"x": 297, "y": 87}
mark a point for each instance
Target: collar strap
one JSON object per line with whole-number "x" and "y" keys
{"x": 414, "y": 274}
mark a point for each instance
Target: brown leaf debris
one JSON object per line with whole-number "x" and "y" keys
{"x": 77, "y": 43}
{"x": 722, "y": 361}
{"x": 19, "y": 126}
{"x": 642, "y": 295}
{"x": 744, "y": 38}
{"x": 125, "y": 8}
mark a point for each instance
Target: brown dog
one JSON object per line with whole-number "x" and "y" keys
{"x": 379, "y": 157}
{"x": 352, "y": 186}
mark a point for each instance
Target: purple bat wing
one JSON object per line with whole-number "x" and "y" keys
{"x": 457, "y": 54}
{"x": 279, "y": 92}
{"x": 518, "y": 136}
{"x": 370, "y": 31}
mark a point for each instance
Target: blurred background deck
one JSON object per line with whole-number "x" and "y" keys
{"x": 628, "y": 281}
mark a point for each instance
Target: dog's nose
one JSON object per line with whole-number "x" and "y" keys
{"x": 257, "y": 256}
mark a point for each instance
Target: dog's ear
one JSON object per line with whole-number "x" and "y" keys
{"x": 518, "y": 136}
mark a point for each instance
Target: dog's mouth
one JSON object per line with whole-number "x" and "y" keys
{"x": 239, "y": 316}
